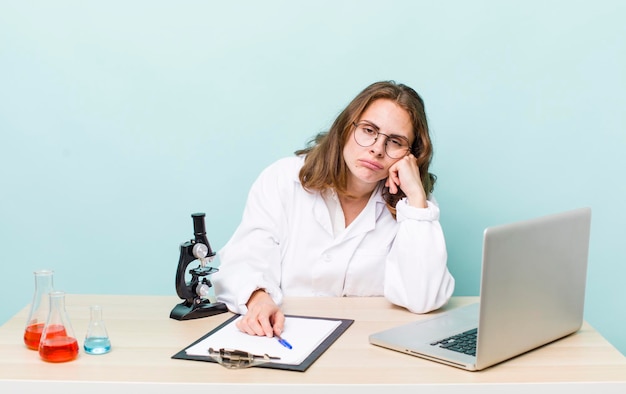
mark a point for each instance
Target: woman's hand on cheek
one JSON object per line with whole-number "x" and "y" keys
{"x": 405, "y": 175}
{"x": 393, "y": 180}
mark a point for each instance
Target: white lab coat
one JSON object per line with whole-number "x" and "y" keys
{"x": 285, "y": 245}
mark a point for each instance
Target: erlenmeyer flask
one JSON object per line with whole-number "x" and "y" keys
{"x": 97, "y": 339}
{"x": 39, "y": 309}
{"x": 58, "y": 342}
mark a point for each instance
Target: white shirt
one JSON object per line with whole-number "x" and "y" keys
{"x": 286, "y": 244}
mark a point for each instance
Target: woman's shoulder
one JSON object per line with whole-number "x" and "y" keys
{"x": 290, "y": 161}
{"x": 284, "y": 168}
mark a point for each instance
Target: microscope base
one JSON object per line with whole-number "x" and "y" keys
{"x": 186, "y": 312}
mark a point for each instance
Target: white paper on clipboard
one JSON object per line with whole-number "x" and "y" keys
{"x": 303, "y": 334}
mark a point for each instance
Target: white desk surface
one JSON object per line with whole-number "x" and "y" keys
{"x": 144, "y": 338}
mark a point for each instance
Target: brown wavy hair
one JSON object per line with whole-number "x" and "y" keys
{"x": 324, "y": 166}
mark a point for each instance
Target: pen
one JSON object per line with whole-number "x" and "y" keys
{"x": 283, "y": 342}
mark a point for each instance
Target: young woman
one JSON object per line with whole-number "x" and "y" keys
{"x": 350, "y": 215}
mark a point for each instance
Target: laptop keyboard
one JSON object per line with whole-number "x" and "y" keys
{"x": 464, "y": 342}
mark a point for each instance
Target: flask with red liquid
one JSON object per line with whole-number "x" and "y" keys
{"x": 58, "y": 342}
{"x": 39, "y": 308}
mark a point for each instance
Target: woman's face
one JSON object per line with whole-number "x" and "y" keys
{"x": 369, "y": 165}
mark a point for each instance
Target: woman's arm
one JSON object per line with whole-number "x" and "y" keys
{"x": 416, "y": 273}
{"x": 251, "y": 259}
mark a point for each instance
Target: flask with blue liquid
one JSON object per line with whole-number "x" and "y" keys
{"x": 97, "y": 339}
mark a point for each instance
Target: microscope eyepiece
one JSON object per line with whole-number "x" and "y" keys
{"x": 198, "y": 223}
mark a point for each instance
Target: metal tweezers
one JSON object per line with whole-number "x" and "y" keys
{"x": 239, "y": 358}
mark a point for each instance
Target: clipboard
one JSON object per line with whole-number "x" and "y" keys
{"x": 342, "y": 326}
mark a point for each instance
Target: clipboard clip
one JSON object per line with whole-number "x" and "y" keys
{"x": 237, "y": 359}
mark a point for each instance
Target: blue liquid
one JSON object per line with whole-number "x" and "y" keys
{"x": 97, "y": 345}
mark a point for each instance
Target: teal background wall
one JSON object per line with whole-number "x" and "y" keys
{"x": 119, "y": 119}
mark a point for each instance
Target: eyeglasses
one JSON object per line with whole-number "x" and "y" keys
{"x": 366, "y": 134}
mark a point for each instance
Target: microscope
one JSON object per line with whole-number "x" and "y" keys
{"x": 195, "y": 293}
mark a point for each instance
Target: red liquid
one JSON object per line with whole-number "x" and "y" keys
{"x": 58, "y": 349}
{"x": 32, "y": 335}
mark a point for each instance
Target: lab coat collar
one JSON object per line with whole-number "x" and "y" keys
{"x": 365, "y": 222}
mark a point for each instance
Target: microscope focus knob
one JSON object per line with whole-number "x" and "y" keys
{"x": 203, "y": 291}
{"x": 200, "y": 251}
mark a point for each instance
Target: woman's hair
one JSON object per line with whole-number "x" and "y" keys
{"x": 324, "y": 166}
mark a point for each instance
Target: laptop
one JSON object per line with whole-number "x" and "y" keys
{"x": 532, "y": 292}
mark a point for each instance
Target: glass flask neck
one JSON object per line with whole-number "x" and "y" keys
{"x": 96, "y": 313}
{"x": 39, "y": 308}
{"x": 43, "y": 283}
{"x": 57, "y": 300}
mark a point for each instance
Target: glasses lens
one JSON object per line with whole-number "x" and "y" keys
{"x": 396, "y": 147}
{"x": 365, "y": 135}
